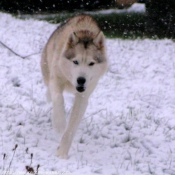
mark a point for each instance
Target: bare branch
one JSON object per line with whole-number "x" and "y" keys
{"x": 23, "y": 57}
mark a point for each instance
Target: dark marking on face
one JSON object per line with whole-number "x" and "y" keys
{"x": 85, "y": 37}
{"x": 86, "y": 42}
{"x": 99, "y": 57}
{"x": 69, "y": 54}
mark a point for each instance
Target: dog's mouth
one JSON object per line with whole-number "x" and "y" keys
{"x": 80, "y": 88}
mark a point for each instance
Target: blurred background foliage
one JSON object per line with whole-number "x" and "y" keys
{"x": 53, "y": 5}
{"x": 157, "y": 22}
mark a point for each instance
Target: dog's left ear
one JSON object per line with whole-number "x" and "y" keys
{"x": 73, "y": 40}
{"x": 99, "y": 40}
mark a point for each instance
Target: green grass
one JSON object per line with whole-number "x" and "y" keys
{"x": 120, "y": 25}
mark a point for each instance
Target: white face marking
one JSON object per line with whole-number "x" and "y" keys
{"x": 83, "y": 70}
{"x": 83, "y": 65}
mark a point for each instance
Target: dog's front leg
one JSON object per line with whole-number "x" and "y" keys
{"x": 58, "y": 117}
{"x": 78, "y": 111}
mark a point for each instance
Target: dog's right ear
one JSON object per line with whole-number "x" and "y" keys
{"x": 99, "y": 40}
{"x": 73, "y": 40}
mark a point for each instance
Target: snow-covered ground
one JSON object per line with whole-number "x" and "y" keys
{"x": 128, "y": 128}
{"x": 136, "y": 8}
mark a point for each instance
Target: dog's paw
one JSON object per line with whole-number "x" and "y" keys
{"x": 62, "y": 154}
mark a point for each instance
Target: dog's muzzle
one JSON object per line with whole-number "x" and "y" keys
{"x": 81, "y": 81}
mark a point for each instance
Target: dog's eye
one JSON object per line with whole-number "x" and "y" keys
{"x": 75, "y": 62}
{"x": 91, "y": 64}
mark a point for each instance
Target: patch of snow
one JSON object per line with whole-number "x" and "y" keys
{"x": 136, "y": 7}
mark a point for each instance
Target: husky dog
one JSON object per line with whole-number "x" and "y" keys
{"x": 73, "y": 59}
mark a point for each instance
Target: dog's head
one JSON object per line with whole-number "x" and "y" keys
{"x": 84, "y": 59}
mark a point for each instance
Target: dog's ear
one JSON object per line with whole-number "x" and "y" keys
{"x": 73, "y": 40}
{"x": 99, "y": 40}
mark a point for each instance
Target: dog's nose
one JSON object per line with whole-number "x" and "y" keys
{"x": 81, "y": 80}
